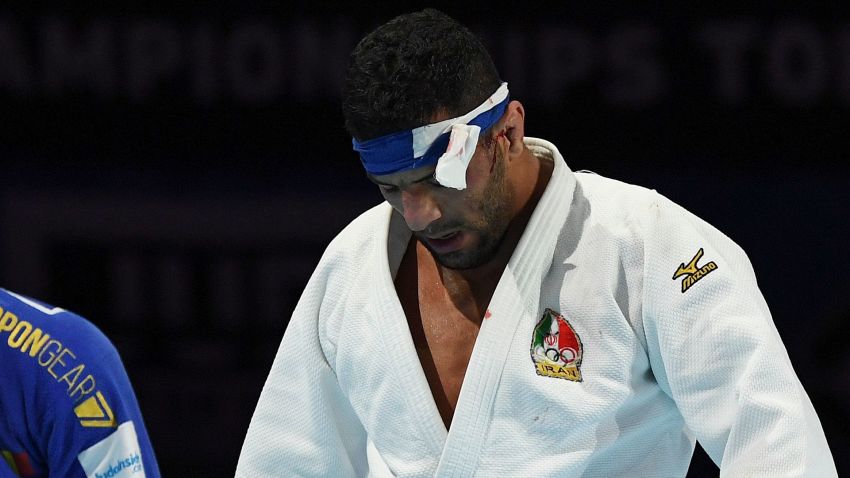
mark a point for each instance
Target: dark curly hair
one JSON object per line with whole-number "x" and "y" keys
{"x": 412, "y": 67}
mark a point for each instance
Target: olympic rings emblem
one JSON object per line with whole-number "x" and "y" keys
{"x": 566, "y": 355}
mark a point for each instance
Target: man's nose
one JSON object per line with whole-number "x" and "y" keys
{"x": 419, "y": 208}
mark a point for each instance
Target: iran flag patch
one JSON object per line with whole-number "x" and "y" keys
{"x": 556, "y": 348}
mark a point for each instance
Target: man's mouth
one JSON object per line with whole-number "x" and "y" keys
{"x": 445, "y": 243}
{"x": 442, "y": 236}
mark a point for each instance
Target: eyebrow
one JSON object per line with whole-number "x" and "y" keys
{"x": 381, "y": 183}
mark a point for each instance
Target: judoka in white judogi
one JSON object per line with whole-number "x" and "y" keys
{"x": 659, "y": 369}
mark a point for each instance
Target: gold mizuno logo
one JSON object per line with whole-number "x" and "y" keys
{"x": 692, "y": 272}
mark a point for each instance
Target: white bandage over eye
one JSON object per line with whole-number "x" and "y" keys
{"x": 450, "y": 144}
{"x": 451, "y": 167}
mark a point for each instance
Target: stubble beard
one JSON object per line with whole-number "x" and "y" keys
{"x": 493, "y": 206}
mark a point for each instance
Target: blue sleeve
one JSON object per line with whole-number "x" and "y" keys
{"x": 97, "y": 425}
{"x": 5, "y": 470}
{"x": 71, "y": 410}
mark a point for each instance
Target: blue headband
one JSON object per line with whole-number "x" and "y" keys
{"x": 423, "y": 146}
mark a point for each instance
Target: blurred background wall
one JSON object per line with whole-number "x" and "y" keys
{"x": 173, "y": 170}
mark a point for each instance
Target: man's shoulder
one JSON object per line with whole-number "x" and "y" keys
{"x": 54, "y": 357}
{"x": 613, "y": 200}
{"x": 349, "y": 253}
{"x": 24, "y": 319}
{"x": 362, "y": 232}
{"x": 604, "y": 188}
{"x": 620, "y": 201}
{"x": 647, "y": 216}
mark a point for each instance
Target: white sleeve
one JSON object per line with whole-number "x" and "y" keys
{"x": 303, "y": 424}
{"x": 715, "y": 350}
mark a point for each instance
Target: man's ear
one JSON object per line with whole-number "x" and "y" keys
{"x": 514, "y": 127}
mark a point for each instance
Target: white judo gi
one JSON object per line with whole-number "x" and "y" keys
{"x": 649, "y": 368}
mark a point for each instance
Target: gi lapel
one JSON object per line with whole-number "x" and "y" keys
{"x": 516, "y": 297}
{"x": 412, "y": 385}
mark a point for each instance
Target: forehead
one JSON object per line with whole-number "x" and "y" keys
{"x": 441, "y": 113}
